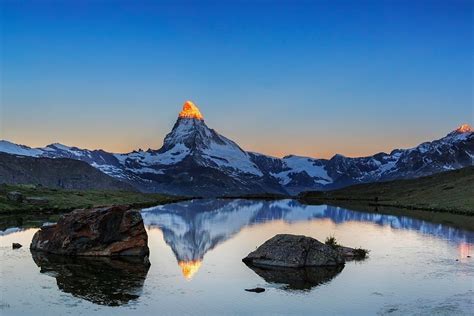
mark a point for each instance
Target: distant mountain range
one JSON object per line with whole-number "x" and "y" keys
{"x": 196, "y": 160}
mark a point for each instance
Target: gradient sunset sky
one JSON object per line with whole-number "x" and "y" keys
{"x": 311, "y": 78}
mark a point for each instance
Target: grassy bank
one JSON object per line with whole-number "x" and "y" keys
{"x": 448, "y": 192}
{"x": 60, "y": 201}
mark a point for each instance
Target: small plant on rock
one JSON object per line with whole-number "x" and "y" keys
{"x": 360, "y": 253}
{"x": 331, "y": 241}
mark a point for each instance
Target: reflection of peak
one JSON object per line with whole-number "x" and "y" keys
{"x": 189, "y": 268}
{"x": 193, "y": 228}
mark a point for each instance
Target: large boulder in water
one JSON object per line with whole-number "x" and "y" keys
{"x": 294, "y": 251}
{"x": 111, "y": 231}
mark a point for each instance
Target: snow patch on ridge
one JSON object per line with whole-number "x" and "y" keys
{"x": 14, "y": 149}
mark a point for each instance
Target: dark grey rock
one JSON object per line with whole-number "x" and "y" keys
{"x": 256, "y": 290}
{"x": 15, "y": 196}
{"x": 16, "y": 245}
{"x": 294, "y": 251}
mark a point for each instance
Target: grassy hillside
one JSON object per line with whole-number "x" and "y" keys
{"x": 59, "y": 200}
{"x": 451, "y": 192}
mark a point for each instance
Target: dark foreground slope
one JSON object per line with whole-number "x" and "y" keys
{"x": 60, "y": 201}
{"x": 451, "y": 191}
{"x": 61, "y": 173}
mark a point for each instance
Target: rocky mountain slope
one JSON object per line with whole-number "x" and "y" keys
{"x": 56, "y": 173}
{"x": 196, "y": 160}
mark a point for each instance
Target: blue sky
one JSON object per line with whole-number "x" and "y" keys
{"x": 303, "y": 77}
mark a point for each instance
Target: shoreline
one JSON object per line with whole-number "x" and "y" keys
{"x": 462, "y": 221}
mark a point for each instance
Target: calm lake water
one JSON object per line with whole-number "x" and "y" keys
{"x": 414, "y": 267}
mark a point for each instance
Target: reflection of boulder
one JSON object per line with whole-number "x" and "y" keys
{"x": 297, "y": 278}
{"x": 101, "y": 280}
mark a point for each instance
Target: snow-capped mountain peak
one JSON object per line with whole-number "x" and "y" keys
{"x": 190, "y": 111}
{"x": 464, "y": 128}
{"x": 206, "y": 147}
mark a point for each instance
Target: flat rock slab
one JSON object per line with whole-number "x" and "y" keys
{"x": 110, "y": 231}
{"x": 294, "y": 251}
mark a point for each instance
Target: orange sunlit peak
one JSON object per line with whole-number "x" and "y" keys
{"x": 189, "y": 268}
{"x": 464, "y": 128}
{"x": 190, "y": 110}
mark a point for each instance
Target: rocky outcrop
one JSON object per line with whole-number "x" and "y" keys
{"x": 293, "y": 251}
{"x": 112, "y": 231}
{"x": 15, "y": 196}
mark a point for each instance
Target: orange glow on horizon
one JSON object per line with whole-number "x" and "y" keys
{"x": 189, "y": 268}
{"x": 190, "y": 110}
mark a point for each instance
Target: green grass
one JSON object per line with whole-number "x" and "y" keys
{"x": 66, "y": 200}
{"x": 450, "y": 192}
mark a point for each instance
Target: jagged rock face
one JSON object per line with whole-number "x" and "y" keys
{"x": 292, "y": 251}
{"x": 195, "y": 160}
{"x": 112, "y": 231}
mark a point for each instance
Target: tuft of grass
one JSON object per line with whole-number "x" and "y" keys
{"x": 360, "y": 253}
{"x": 332, "y": 242}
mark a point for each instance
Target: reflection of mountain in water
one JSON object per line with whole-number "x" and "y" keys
{"x": 297, "y": 278}
{"x": 193, "y": 228}
{"x": 103, "y": 281}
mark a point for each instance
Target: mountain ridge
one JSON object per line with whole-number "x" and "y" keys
{"x": 197, "y": 160}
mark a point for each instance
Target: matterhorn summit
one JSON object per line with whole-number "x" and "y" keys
{"x": 190, "y": 110}
{"x": 204, "y": 146}
{"x": 464, "y": 128}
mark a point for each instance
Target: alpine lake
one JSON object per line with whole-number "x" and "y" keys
{"x": 196, "y": 250}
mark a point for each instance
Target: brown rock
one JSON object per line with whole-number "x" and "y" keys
{"x": 111, "y": 231}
